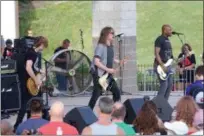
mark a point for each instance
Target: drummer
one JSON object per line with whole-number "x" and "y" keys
{"x": 61, "y": 62}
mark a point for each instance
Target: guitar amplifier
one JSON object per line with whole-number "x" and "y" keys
{"x": 10, "y": 92}
{"x": 8, "y": 66}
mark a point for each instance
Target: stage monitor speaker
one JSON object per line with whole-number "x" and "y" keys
{"x": 10, "y": 93}
{"x": 164, "y": 108}
{"x": 133, "y": 106}
{"x": 80, "y": 117}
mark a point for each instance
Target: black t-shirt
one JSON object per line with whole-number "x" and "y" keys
{"x": 33, "y": 56}
{"x": 188, "y": 60}
{"x": 110, "y": 56}
{"x": 166, "y": 49}
{"x": 61, "y": 56}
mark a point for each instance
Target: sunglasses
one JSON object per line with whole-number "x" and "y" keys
{"x": 112, "y": 33}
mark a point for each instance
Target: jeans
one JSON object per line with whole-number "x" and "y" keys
{"x": 25, "y": 97}
{"x": 62, "y": 82}
{"x": 165, "y": 87}
{"x": 97, "y": 92}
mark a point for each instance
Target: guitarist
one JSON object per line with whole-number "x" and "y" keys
{"x": 163, "y": 52}
{"x": 31, "y": 69}
{"x": 103, "y": 63}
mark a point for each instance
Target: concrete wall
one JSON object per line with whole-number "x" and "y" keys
{"x": 121, "y": 15}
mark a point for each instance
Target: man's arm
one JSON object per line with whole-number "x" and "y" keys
{"x": 98, "y": 63}
{"x": 158, "y": 58}
{"x": 86, "y": 131}
{"x": 60, "y": 60}
{"x": 29, "y": 69}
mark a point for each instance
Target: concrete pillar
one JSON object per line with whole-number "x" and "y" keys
{"x": 121, "y": 15}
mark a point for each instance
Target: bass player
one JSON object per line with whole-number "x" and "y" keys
{"x": 103, "y": 63}
{"x": 163, "y": 52}
{"x": 31, "y": 69}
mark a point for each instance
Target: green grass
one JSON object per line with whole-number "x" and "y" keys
{"x": 64, "y": 20}
{"x": 186, "y": 17}
{"x": 61, "y": 21}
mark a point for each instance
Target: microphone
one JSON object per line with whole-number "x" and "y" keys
{"x": 118, "y": 35}
{"x": 177, "y": 33}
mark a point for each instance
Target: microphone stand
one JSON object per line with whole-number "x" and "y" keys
{"x": 183, "y": 65}
{"x": 46, "y": 77}
{"x": 120, "y": 58}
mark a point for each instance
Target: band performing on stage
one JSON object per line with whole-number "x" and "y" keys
{"x": 69, "y": 71}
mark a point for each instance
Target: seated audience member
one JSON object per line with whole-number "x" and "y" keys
{"x": 198, "y": 122}
{"x": 176, "y": 128}
{"x": 6, "y": 128}
{"x": 199, "y": 83}
{"x": 185, "y": 111}
{"x": 35, "y": 121}
{"x": 56, "y": 126}
{"x": 103, "y": 126}
{"x": 147, "y": 122}
{"x": 118, "y": 116}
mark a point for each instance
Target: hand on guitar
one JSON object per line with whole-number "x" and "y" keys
{"x": 164, "y": 68}
{"x": 38, "y": 83}
{"x": 111, "y": 71}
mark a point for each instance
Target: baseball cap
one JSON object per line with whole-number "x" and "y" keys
{"x": 178, "y": 127}
{"x": 198, "y": 118}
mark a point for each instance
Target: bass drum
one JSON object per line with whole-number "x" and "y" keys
{"x": 77, "y": 79}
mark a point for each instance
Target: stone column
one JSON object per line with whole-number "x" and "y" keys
{"x": 121, "y": 15}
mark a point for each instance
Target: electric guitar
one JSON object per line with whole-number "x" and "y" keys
{"x": 107, "y": 79}
{"x": 34, "y": 90}
{"x": 162, "y": 74}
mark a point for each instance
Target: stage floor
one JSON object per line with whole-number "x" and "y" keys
{"x": 71, "y": 102}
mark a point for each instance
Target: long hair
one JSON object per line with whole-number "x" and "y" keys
{"x": 188, "y": 45}
{"x": 41, "y": 40}
{"x": 186, "y": 109}
{"x": 104, "y": 34}
{"x": 146, "y": 122}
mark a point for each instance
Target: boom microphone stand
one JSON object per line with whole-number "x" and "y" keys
{"x": 119, "y": 39}
{"x": 183, "y": 65}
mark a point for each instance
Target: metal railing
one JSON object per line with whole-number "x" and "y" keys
{"x": 147, "y": 79}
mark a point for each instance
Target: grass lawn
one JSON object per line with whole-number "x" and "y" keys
{"x": 60, "y": 21}
{"x": 184, "y": 16}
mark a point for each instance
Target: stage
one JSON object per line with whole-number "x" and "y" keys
{"x": 71, "y": 102}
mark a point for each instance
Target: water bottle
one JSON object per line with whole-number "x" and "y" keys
{"x": 59, "y": 131}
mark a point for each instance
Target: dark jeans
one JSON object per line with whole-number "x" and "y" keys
{"x": 97, "y": 92}
{"x": 165, "y": 87}
{"x": 62, "y": 82}
{"x": 25, "y": 97}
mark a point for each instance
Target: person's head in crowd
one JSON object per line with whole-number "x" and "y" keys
{"x": 36, "y": 107}
{"x": 66, "y": 43}
{"x": 146, "y": 121}
{"x": 199, "y": 73}
{"x": 40, "y": 43}
{"x": 57, "y": 111}
{"x": 176, "y": 128}
{"x": 57, "y": 126}
{"x": 9, "y": 43}
{"x": 119, "y": 112}
{"x": 105, "y": 107}
{"x": 6, "y": 128}
{"x": 166, "y": 30}
{"x": 35, "y": 120}
{"x": 185, "y": 111}
{"x": 186, "y": 49}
